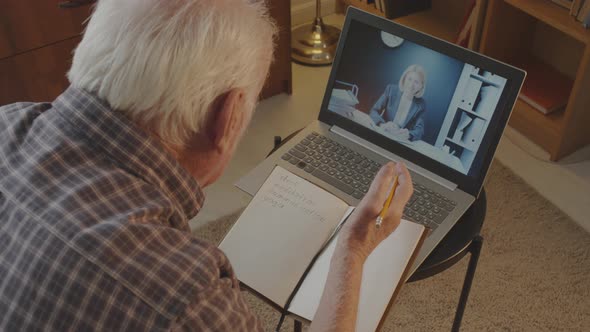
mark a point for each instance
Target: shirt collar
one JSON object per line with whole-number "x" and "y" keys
{"x": 131, "y": 147}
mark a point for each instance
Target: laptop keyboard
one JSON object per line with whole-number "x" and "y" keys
{"x": 353, "y": 173}
{"x": 427, "y": 207}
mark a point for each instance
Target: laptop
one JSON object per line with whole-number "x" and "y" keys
{"x": 396, "y": 94}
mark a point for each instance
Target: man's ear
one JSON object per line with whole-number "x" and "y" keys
{"x": 229, "y": 119}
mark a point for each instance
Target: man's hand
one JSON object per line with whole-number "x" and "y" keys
{"x": 338, "y": 306}
{"x": 359, "y": 236}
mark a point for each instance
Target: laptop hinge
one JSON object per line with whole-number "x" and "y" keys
{"x": 386, "y": 154}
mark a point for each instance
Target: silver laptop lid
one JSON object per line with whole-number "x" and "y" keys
{"x": 436, "y": 104}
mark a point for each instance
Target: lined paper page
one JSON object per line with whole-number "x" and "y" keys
{"x": 382, "y": 273}
{"x": 279, "y": 233}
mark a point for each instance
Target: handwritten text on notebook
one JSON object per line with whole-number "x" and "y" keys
{"x": 285, "y": 193}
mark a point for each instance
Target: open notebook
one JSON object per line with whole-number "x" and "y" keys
{"x": 286, "y": 224}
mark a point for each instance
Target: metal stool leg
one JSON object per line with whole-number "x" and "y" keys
{"x": 298, "y": 326}
{"x": 277, "y": 142}
{"x": 475, "y": 249}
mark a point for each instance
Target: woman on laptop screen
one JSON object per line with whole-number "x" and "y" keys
{"x": 400, "y": 109}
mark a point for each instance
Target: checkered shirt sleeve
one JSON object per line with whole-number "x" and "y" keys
{"x": 94, "y": 232}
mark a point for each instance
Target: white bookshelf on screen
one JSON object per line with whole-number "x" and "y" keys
{"x": 469, "y": 113}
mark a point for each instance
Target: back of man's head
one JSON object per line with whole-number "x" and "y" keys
{"x": 164, "y": 62}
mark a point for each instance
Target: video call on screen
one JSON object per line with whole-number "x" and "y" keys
{"x": 432, "y": 103}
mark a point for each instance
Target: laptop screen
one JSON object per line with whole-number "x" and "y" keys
{"x": 417, "y": 98}
{"x": 430, "y": 102}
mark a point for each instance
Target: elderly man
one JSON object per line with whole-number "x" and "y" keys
{"x": 97, "y": 187}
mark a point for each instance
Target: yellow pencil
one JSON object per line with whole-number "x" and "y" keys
{"x": 387, "y": 203}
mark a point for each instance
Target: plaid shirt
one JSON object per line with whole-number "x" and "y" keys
{"x": 94, "y": 228}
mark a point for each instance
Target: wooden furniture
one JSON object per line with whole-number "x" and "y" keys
{"x": 37, "y": 39}
{"x": 443, "y": 19}
{"x": 534, "y": 30}
{"x": 36, "y": 43}
{"x": 280, "y": 79}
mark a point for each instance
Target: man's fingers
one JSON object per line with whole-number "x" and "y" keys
{"x": 377, "y": 194}
{"x": 373, "y": 201}
{"x": 403, "y": 192}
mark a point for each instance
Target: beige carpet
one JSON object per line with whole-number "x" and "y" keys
{"x": 533, "y": 273}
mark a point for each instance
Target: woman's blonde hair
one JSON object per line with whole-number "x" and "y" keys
{"x": 421, "y": 73}
{"x": 164, "y": 62}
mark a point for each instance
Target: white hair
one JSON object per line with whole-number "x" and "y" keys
{"x": 164, "y": 62}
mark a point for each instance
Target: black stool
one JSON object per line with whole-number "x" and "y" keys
{"x": 462, "y": 239}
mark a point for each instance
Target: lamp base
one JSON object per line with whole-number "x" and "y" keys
{"x": 314, "y": 44}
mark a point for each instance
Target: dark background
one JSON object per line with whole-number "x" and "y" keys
{"x": 373, "y": 70}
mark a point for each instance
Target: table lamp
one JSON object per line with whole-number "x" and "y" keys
{"x": 315, "y": 43}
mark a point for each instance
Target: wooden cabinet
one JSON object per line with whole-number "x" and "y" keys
{"x": 31, "y": 24}
{"x": 443, "y": 20}
{"x": 36, "y": 43}
{"x": 37, "y": 75}
{"x": 518, "y": 31}
{"x": 279, "y": 79}
{"x": 37, "y": 39}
